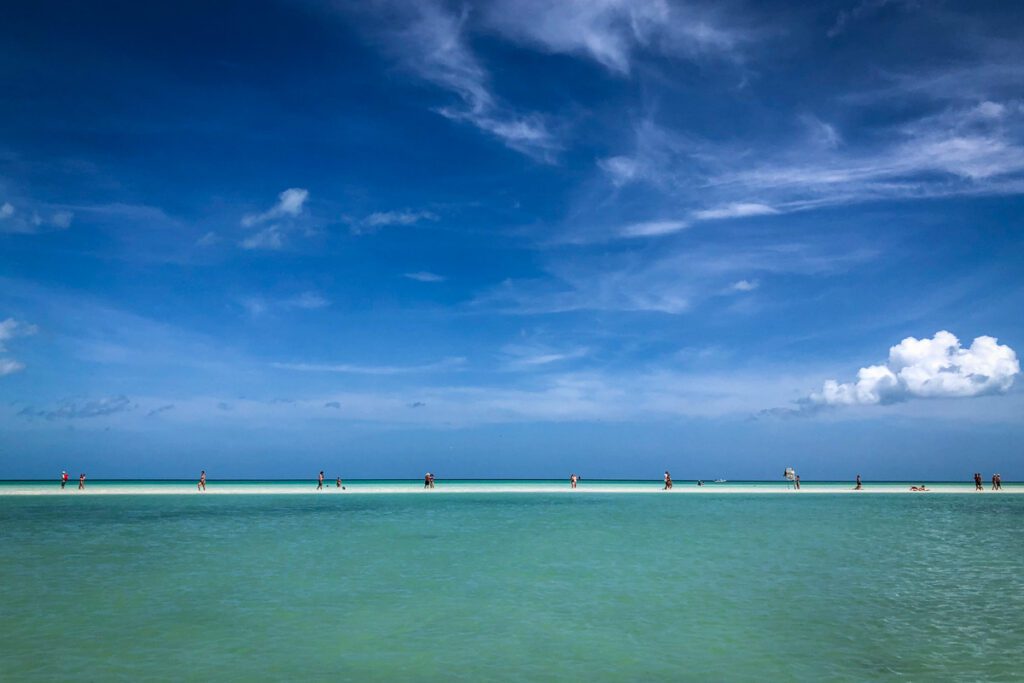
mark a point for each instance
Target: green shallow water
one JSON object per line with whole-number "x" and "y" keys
{"x": 528, "y": 587}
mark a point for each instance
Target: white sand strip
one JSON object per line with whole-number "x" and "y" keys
{"x": 355, "y": 489}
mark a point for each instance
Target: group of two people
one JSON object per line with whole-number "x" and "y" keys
{"x": 320, "y": 482}
{"x": 64, "y": 480}
{"x": 997, "y": 482}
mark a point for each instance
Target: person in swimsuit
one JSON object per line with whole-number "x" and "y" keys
{"x": 859, "y": 486}
{"x": 573, "y": 479}
{"x": 431, "y": 475}
{"x": 337, "y": 483}
{"x": 426, "y": 480}
{"x": 999, "y": 482}
{"x": 977, "y": 482}
{"x": 320, "y": 481}
{"x": 201, "y": 486}
{"x": 796, "y": 481}
{"x": 668, "y": 481}
{"x": 922, "y": 487}
{"x": 81, "y": 482}
{"x": 63, "y": 479}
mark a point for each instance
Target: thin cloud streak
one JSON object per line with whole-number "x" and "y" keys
{"x": 345, "y": 368}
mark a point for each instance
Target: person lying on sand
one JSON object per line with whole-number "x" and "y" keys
{"x": 922, "y": 487}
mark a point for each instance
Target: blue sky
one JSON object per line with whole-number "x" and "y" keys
{"x": 512, "y": 239}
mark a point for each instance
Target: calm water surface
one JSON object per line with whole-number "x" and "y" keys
{"x": 532, "y": 586}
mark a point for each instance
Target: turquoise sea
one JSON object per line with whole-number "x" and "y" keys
{"x": 533, "y": 586}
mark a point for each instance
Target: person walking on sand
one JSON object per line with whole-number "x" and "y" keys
{"x": 977, "y": 482}
{"x": 796, "y": 481}
{"x": 201, "y": 486}
{"x": 999, "y": 482}
{"x": 668, "y": 481}
{"x": 81, "y": 482}
{"x": 320, "y": 481}
{"x": 859, "y": 485}
{"x": 573, "y": 480}
{"x": 431, "y": 475}
{"x": 63, "y": 479}
{"x": 993, "y": 482}
{"x": 426, "y": 480}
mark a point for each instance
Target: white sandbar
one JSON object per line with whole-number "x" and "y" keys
{"x": 356, "y": 489}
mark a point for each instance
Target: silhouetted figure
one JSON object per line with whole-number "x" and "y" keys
{"x": 859, "y": 486}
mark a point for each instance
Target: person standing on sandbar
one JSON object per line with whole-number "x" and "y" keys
{"x": 320, "y": 481}
{"x": 201, "y": 486}
{"x": 81, "y": 481}
{"x": 859, "y": 486}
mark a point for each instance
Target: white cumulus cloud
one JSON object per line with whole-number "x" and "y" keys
{"x": 928, "y": 368}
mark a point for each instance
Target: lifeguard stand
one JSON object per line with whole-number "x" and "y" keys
{"x": 790, "y": 475}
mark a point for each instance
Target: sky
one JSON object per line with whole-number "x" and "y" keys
{"x": 512, "y": 238}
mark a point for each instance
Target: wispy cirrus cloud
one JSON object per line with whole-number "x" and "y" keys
{"x": 530, "y": 357}
{"x": 29, "y": 220}
{"x": 382, "y": 219}
{"x": 654, "y": 228}
{"x": 10, "y": 329}
{"x": 429, "y": 40}
{"x": 425, "y": 276}
{"x": 289, "y": 203}
{"x": 80, "y": 409}
{"x": 612, "y": 32}
{"x": 963, "y": 150}
{"x": 281, "y": 217}
{"x": 352, "y": 369}
{"x": 309, "y": 300}
{"x": 670, "y": 283}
